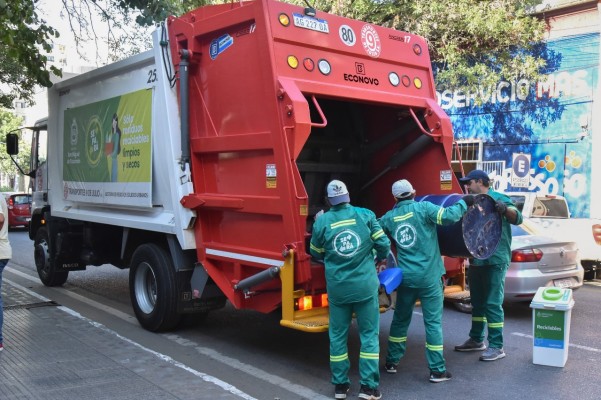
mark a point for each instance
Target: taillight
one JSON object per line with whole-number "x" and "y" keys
{"x": 597, "y": 233}
{"x": 11, "y": 202}
{"x": 309, "y": 302}
{"x": 526, "y": 255}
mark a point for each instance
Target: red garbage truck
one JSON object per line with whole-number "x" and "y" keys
{"x": 200, "y": 164}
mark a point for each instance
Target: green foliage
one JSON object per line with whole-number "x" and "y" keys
{"x": 23, "y": 35}
{"x": 11, "y": 123}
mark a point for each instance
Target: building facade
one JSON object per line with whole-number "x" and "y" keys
{"x": 546, "y": 135}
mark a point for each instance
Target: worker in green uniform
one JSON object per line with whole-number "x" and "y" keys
{"x": 344, "y": 238}
{"x": 487, "y": 277}
{"x": 412, "y": 227}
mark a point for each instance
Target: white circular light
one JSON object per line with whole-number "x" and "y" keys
{"x": 324, "y": 67}
{"x": 394, "y": 79}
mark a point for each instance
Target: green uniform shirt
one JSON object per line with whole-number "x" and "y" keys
{"x": 344, "y": 238}
{"x": 501, "y": 256}
{"x": 412, "y": 226}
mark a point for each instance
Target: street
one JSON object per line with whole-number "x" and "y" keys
{"x": 251, "y": 352}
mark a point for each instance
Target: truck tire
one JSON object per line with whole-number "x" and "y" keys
{"x": 153, "y": 288}
{"x": 47, "y": 271}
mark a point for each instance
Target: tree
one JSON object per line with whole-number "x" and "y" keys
{"x": 22, "y": 66}
{"x": 11, "y": 123}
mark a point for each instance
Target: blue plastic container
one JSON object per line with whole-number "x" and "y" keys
{"x": 476, "y": 235}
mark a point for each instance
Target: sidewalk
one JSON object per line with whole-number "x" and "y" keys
{"x": 50, "y": 353}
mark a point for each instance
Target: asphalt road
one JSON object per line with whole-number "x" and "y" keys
{"x": 252, "y": 352}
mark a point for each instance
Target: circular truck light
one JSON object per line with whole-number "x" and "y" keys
{"x": 308, "y": 64}
{"x": 417, "y": 82}
{"x": 394, "y": 79}
{"x": 406, "y": 81}
{"x": 284, "y": 19}
{"x": 417, "y": 49}
{"x": 324, "y": 67}
{"x": 292, "y": 62}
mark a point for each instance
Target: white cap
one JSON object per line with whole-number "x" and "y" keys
{"x": 337, "y": 193}
{"x": 402, "y": 189}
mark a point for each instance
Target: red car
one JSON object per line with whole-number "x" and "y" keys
{"x": 19, "y": 209}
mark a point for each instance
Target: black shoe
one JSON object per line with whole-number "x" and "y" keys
{"x": 341, "y": 390}
{"x": 369, "y": 394}
{"x": 439, "y": 376}
{"x": 390, "y": 368}
{"x": 471, "y": 345}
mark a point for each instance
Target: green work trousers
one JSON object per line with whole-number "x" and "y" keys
{"x": 487, "y": 288}
{"x": 368, "y": 321}
{"x": 432, "y": 304}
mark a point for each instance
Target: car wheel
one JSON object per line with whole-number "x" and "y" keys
{"x": 153, "y": 289}
{"x": 47, "y": 270}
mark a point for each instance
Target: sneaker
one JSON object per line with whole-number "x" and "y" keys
{"x": 341, "y": 390}
{"x": 1, "y": 347}
{"x": 492, "y": 354}
{"x": 471, "y": 345}
{"x": 369, "y": 393}
{"x": 390, "y": 368}
{"x": 439, "y": 376}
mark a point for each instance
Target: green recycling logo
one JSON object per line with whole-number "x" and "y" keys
{"x": 405, "y": 235}
{"x": 346, "y": 243}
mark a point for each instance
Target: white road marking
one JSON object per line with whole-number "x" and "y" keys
{"x": 258, "y": 373}
{"x": 231, "y": 362}
{"x": 205, "y": 377}
{"x": 577, "y": 346}
{"x": 119, "y": 314}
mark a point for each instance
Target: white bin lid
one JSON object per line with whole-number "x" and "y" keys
{"x": 553, "y": 298}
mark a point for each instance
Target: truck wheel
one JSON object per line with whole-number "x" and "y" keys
{"x": 49, "y": 275}
{"x": 153, "y": 289}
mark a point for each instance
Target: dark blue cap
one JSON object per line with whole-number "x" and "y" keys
{"x": 475, "y": 174}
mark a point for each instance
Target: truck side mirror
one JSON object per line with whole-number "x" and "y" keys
{"x": 12, "y": 144}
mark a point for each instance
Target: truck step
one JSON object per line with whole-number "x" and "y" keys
{"x": 459, "y": 297}
{"x": 317, "y": 323}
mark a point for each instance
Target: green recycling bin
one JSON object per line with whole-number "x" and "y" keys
{"x": 551, "y": 315}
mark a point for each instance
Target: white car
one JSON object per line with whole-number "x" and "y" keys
{"x": 540, "y": 261}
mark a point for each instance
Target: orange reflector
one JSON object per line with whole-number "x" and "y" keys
{"x": 293, "y": 62}
{"x": 597, "y": 233}
{"x": 324, "y": 300}
{"x": 284, "y": 19}
{"x": 417, "y": 82}
{"x": 308, "y": 64}
{"x": 309, "y": 302}
{"x": 305, "y": 303}
{"x": 417, "y": 49}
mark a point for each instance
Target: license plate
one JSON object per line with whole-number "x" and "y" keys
{"x": 314, "y": 24}
{"x": 563, "y": 283}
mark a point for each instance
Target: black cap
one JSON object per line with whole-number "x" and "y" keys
{"x": 475, "y": 174}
